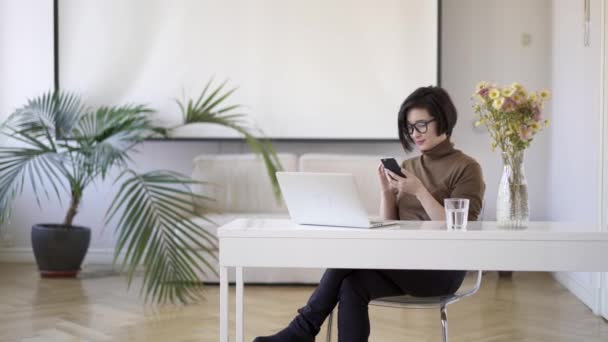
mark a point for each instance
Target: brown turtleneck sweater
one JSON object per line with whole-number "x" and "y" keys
{"x": 446, "y": 173}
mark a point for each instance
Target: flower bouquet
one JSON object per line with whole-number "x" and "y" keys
{"x": 513, "y": 116}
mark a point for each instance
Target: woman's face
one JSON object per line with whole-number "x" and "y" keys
{"x": 424, "y": 128}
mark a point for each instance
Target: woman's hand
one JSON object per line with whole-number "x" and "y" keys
{"x": 409, "y": 185}
{"x": 412, "y": 185}
{"x": 384, "y": 180}
{"x": 388, "y": 205}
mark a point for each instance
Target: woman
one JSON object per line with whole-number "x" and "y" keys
{"x": 426, "y": 120}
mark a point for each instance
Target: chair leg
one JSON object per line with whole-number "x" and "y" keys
{"x": 444, "y": 323}
{"x": 330, "y": 319}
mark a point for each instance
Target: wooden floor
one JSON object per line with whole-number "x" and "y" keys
{"x": 97, "y": 307}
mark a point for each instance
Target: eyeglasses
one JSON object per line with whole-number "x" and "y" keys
{"x": 420, "y": 126}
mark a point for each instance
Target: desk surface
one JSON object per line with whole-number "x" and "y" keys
{"x": 542, "y": 246}
{"x": 417, "y": 230}
{"x": 268, "y": 242}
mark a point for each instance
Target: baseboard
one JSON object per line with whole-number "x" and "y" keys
{"x": 585, "y": 292}
{"x": 25, "y": 255}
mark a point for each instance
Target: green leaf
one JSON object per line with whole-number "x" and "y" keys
{"x": 156, "y": 231}
{"x": 32, "y": 163}
{"x": 203, "y": 111}
{"x": 106, "y": 136}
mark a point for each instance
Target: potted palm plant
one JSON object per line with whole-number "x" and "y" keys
{"x": 60, "y": 147}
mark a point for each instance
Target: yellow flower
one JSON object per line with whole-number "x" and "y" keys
{"x": 494, "y": 94}
{"x": 517, "y": 97}
{"x": 536, "y": 126}
{"x": 481, "y": 85}
{"x": 477, "y": 123}
{"x": 544, "y": 94}
{"x": 516, "y": 86}
{"x": 523, "y": 93}
{"x": 497, "y": 104}
{"x": 533, "y": 97}
{"x": 508, "y": 92}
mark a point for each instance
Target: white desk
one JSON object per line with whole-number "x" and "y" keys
{"x": 543, "y": 246}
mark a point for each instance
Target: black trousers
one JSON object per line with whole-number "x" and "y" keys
{"x": 354, "y": 289}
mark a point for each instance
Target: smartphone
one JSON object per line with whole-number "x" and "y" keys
{"x": 391, "y": 164}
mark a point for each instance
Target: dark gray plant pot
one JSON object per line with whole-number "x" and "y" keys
{"x": 59, "y": 250}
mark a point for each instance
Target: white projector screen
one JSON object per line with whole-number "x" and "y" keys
{"x": 305, "y": 69}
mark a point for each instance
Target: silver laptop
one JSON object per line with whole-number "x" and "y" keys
{"x": 326, "y": 199}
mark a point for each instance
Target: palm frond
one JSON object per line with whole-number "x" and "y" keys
{"x": 36, "y": 158}
{"x": 37, "y": 165}
{"x": 105, "y": 136}
{"x": 260, "y": 146}
{"x": 210, "y": 109}
{"x": 156, "y": 230}
{"x": 52, "y": 115}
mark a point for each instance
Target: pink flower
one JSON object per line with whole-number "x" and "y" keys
{"x": 525, "y": 132}
{"x": 537, "y": 114}
{"x": 509, "y": 105}
{"x": 483, "y": 92}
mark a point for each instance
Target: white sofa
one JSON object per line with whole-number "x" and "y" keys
{"x": 241, "y": 188}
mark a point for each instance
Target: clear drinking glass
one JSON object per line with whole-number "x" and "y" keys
{"x": 456, "y": 213}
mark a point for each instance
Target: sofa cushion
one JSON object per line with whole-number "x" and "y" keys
{"x": 363, "y": 167}
{"x": 238, "y": 183}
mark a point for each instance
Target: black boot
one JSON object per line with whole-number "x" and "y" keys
{"x": 289, "y": 334}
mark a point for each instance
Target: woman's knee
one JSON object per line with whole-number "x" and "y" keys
{"x": 355, "y": 286}
{"x": 335, "y": 275}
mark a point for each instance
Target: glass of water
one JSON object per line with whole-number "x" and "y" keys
{"x": 456, "y": 213}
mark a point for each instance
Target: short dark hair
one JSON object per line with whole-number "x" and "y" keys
{"x": 439, "y": 105}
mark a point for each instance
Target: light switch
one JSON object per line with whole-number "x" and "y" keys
{"x": 526, "y": 39}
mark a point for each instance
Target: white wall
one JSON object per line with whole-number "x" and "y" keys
{"x": 603, "y": 139}
{"x": 26, "y": 51}
{"x": 574, "y": 154}
{"x": 481, "y": 40}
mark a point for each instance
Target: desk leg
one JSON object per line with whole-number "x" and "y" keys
{"x": 239, "y": 304}
{"x": 223, "y": 304}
